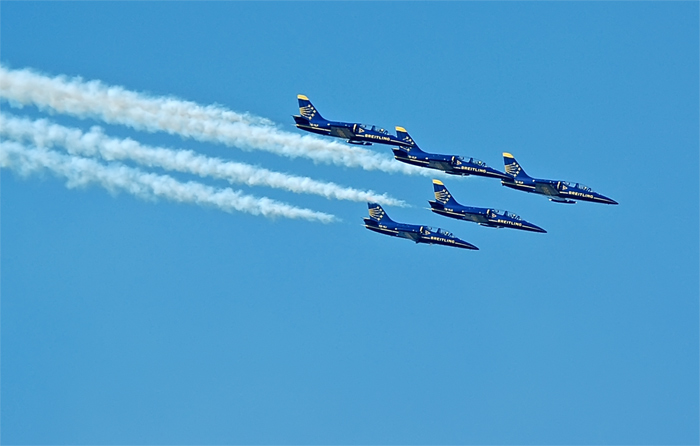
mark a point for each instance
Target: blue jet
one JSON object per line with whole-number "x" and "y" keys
{"x": 451, "y": 164}
{"x": 557, "y": 191}
{"x": 446, "y": 205}
{"x": 362, "y": 134}
{"x": 381, "y": 223}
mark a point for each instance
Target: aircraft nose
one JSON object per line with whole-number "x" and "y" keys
{"x": 536, "y": 228}
{"x": 467, "y": 245}
{"x": 607, "y": 200}
{"x": 497, "y": 173}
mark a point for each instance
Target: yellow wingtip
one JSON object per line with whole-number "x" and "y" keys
{"x": 301, "y": 96}
{"x": 508, "y": 155}
{"x": 438, "y": 182}
{"x": 401, "y": 129}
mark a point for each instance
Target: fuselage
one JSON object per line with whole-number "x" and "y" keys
{"x": 493, "y": 218}
{"x": 417, "y": 233}
{"x": 558, "y": 191}
{"x": 451, "y": 164}
{"x": 355, "y": 133}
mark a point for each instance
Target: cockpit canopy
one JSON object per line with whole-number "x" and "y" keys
{"x": 374, "y": 128}
{"x": 460, "y": 160}
{"x": 498, "y": 212}
{"x": 428, "y": 230}
{"x": 578, "y": 186}
{"x": 445, "y": 233}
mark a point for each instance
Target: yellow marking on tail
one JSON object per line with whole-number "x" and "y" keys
{"x": 438, "y": 182}
{"x": 442, "y": 196}
{"x": 401, "y": 129}
{"x": 376, "y": 213}
{"x": 513, "y": 169}
{"x": 301, "y": 96}
{"x": 508, "y": 155}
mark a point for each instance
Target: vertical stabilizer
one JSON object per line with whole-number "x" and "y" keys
{"x": 307, "y": 109}
{"x": 442, "y": 195}
{"x": 377, "y": 213}
{"x": 403, "y": 135}
{"x": 512, "y": 167}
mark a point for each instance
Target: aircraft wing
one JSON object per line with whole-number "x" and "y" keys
{"x": 442, "y": 165}
{"x": 546, "y": 189}
{"x": 477, "y": 218}
{"x": 409, "y": 235}
{"x": 342, "y": 132}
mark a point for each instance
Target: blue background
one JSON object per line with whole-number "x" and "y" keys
{"x": 132, "y": 322}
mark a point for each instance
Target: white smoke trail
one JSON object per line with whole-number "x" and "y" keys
{"x": 111, "y": 103}
{"x": 116, "y": 105}
{"x": 43, "y": 133}
{"x": 115, "y": 177}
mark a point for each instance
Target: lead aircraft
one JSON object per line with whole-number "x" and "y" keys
{"x": 446, "y": 205}
{"x": 557, "y": 191}
{"x": 379, "y": 222}
{"x": 410, "y": 153}
{"x": 310, "y": 119}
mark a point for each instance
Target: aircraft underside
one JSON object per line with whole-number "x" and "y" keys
{"x": 316, "y": 130}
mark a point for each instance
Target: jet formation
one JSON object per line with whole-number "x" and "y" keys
{"x": 407, "y": 151}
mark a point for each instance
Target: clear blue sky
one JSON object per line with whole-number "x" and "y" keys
{"x": 132, "y": 322}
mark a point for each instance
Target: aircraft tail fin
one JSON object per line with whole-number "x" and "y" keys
{"x": 307, "y": 109}
{"x": 377, "y": 213}
{"x": 512, "y": 167}
{"x": 403, "y": 135}
{"x": 442, "y": 195}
